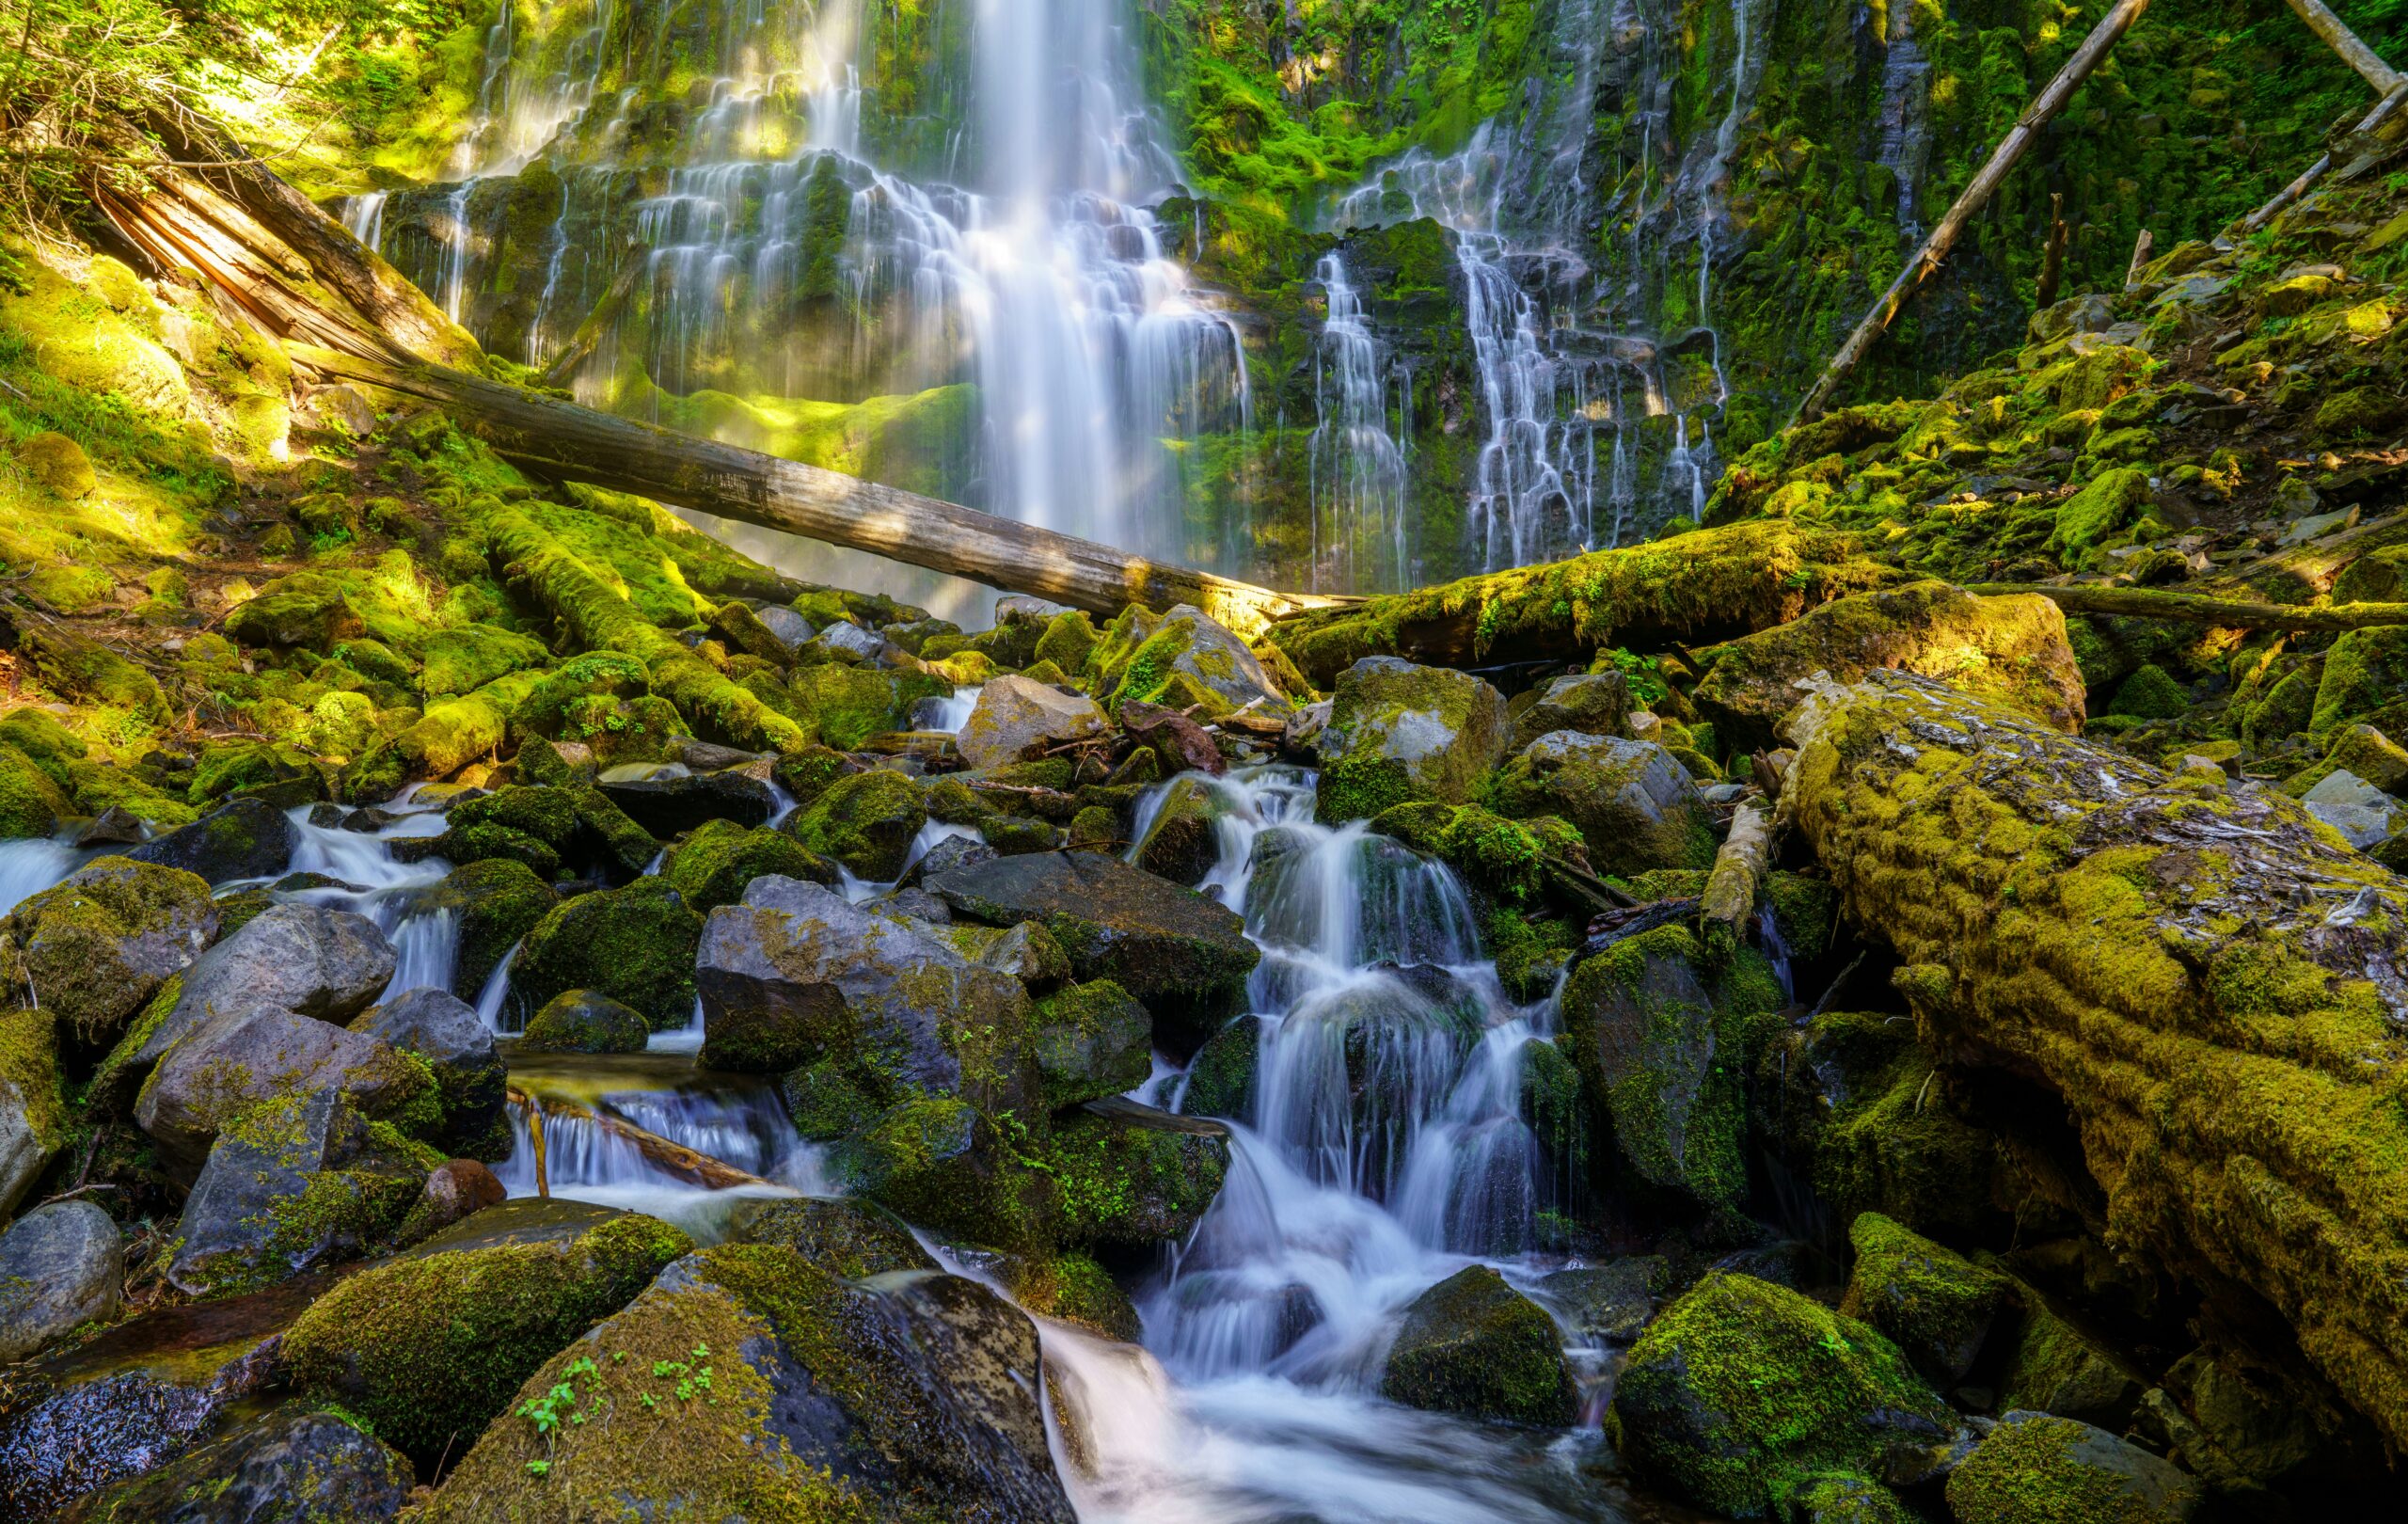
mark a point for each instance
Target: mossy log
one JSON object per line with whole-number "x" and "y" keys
{"x": 563, "y": 441}
{"x": 2214, "y": 984}
{"x": 597, "y": 618}
{"x": 673, "y": 1159}
{"x": 1708, "y": 585}
{"x": 2202, "y": 609}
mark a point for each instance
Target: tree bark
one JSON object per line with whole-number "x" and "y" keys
{"x": 570, "y": 442}
{"x": 2211, "y": 985}
{"x": 2053, "y": 255}
{"x": 2354, "y": 52}
{"x": 2310, "y": 177}
{"x": 1934, "y": 249}
{"x": 2199, "y": 609}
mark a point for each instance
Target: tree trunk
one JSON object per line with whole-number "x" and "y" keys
{"x": 2315, "y": 172}
{"x": 564, "y": 440}
{"x": 2354, "y": 53}
{"x": 2211, "y": 986}
{"x": 2199, "y": 609}
{"x": 1943, "y": 237}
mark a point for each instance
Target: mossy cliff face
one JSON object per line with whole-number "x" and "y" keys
{"x": 2096, "y": 925}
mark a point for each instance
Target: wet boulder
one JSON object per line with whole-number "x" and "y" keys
{"x": 1016, "y": 719}
{"x": 1131, "y": 1175}
{"x": 1183, "y": 659}
{"x": 1474, "y": 1346}
{"x": 244, "y": 1057}
{"x": 456, "y": 1189}
{"x": 1591, "y": 703}
{"x": 851, "y": 1238}
{"x": 635, "y": 944}
{"x": 1182, "y": 842}
{"x": 866, "y": 821}
{"x": 2081, "y": 1473}
{"x": 667, "y": 806}
{"x": 1610, "y": 1303}
{"x": 61, "y": 1266}
{"x": 33, "y": 1115}
{"x": 1741, "y": 1390}
{"x": 471, "y": 1079}
{"x": 307, "y": 959}
{"x": 1029, "y": 954}
{"x": 1665, "y": 1044}
{"x": 2012, "y": 649}
{"x": 1633, "y": 803}
{"x": 1093, "y": 1039}
{"x": 496, "y": 902}
{"x": 295, "y": 1182}
{"x": 797, "y": 973}
{"x": 711, "y": 867}
{"x": 1399, "y": 733}
{"x": 249, "y": 838}
{"x": 1185, "y": 957}
{"x": 2362, "y": 814}
{"x": 295, "y": 1464}
{"x": 97, "y": 946}
{"x": 1221, "y": 1076}
{"x": 914, "y": 1394}
{"x": 585, "y": 1021}
{"x": 431, "y": 1346}
{"x": 1933, "y": 1303}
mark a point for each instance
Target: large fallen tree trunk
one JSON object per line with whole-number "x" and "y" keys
{"x": 2217, "y": 989}
{"x": 2200, "y": 608}
{"x": 1707, "y": 585}
{"x": 573, "y": 443}
{"x": 1934, "y": 249}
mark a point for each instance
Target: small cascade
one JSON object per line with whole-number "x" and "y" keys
{"x": 425, "y": 948}
{"x": 500, "y": 1014}
{"x": 951, "y": 713}
{"x": 1358, "y": 463}
{"x": 371, "y": 883}
{"x": 30, "y": 865}
{"x": 1905, "y": 137}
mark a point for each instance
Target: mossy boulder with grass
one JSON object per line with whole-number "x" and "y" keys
{"x": 1399, "y": 733}
{"x": 496, "y": 902}
{"x": 711, "y": 867}
{"x": 1633, "y": 803}
{"x": 866, "y": 821}
{"x": 1742, "y": 1390}
{"x": 2365, "y": 680}
{"x": 1182, "y": 841}
{"x": 308, "y": 610}
{"x": 31, "y": 802}
{"x": 2150, "y": 693}
{"x": 431, "y": 1347}
{"x": 635, "y": 944}
{"x": 1840, "y": 1498}
{"x": 1933, "y": 1303}
{"x": 1181, "y": 658}
{"x": 2034, "y": 1468}
{"x": 850, "y": 1238}
{"x": 1093, "y": 1039}
{"x": 1506, "y": 858}
{"x": 1134, "y": 1182}
{"x": 1474, "y": 1346}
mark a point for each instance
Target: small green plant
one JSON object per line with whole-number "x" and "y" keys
{"x": 693, "y": 1377}
{"x": 554, "y": 1409}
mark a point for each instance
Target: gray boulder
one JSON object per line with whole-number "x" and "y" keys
{"x": 249, "y": 839}
{"x": 2036, "y": 1455}
{"x": 1399, "y": 733}
{"x": 785, "y": 623}
{"x": 98, "y": 945}
{"x": 1026, "y": 952}
{"x": 60, "y": 1265}
{"x": 244, "y": 1057}
{"x": 469, "y": 1076}
{"x": 2362, "y": 814}
{"x": 1610, "y": 1303}
{"x": 1592, "y": 703}
{"x": 1634, "y": 805}
{"x": 298, "y": 1463}
{"x": 304, "y": 958}
{"x": 1015, "y": 717}
{"x": 795, "y": 974}
{"x": 1191, "y": 657}
{"x": 1092, "y": 1041}
{"x": 295, "y": 1182}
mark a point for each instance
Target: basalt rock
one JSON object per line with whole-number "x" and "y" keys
{"x": 247, "y": 839}
{"x": 445, "y": 1033}
{"x": 1016, "y": 719}
{"x": 243, "y": 1058}
{"x": 295, "y": 1464}
{"x": 667, "y": 807}
{"x": 1634, "y": 804}
{"x": 61, "y": 1265}
{"x": 2102, "y": 928}
{"x": 325, "y": 964}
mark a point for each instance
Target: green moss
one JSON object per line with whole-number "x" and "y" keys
{"x": 1934, "y": 1304}
{"x": 2151, "y": 694}
{"x": 1508, "y": 858}
{"x": 431, "y": 1348}
{"x": 866, "y": 821}
{"x": 711, "y": 867}
{"x": 2045, "y": 1471}
{"x": 635, "y": 944}
{"x": 1471, "y": 1344}
{"x": 31, "y": 803}
{"x": 1131, "y": 1186}
{"x": 940, "y": 1165}
{"x": 2365, "y": 671}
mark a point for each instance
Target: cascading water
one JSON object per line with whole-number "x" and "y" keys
{"x": 1359, "y": 470}
{"x": 30, "y": 865}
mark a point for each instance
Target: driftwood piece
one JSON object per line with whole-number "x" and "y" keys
{"x": 2213, "y": 985}
{"x": 570, "y": 442}
{"x": 2199, "y": 609}
{"x": 1934, "y": 249}
{"x": 673, "y": 1159}
{"x": 1729, "y": 902}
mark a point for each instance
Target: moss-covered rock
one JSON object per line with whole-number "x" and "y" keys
{"x": 449, "y": 736}
{"x": 1633, "y": 803}
{"x": 1092, "y": 1041}
{"x": 31, "y": 802}
{"x": 1221, "y": 1076}
{"x": 1182, "y": 841}
{"x": 585, "y": 1021}
{"x": 1842, "y": 1498}
{"x": 940, "y": 1163}
{"x": 95, "y": 948}
{"x": 496, "y": 902}
{"x": 1399, "y": 733}
{"x": 431, "y": 1347}
{"x": 1508, "y": 858}
{"x": 1666, "y": 1040}
{"x": 711, "y": 867}
{"x": 1742, "y": 1390}
{"x": 34, "y": 1119}
{"x": 635, "y": 944}
{"x": 1474, "y": 1346}
{"x": 1934, "y": 1304}
{"x": 2099, "y": 511}
{"x": 1182, "y": 658}
{"x": 2034, "y": 1468}
{"x": 2150, "y": 694}
{"x": 309, "y": 609}
{"x": 867, "y": 821}
{"x": 848, "y": 1238}
{"x": 2012, "y": 648}
{"x": 1069, "y": 637}
{"x": 2366, "y": 674}
{"x": 1122, "y": 1183}
{"x": 2054, "y": 1367}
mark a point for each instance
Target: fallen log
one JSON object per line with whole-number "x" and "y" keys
{"x": 1729, "y": 901}
{"x": 1707, "y": 585}
{"x": 2200, "y": 608}
{"x": 2214, "y": 987}
{"x": 564, "y": 440}
{"x": 2353, "y": 51}
{"x": 1934, "y": 249}
{"x": 673, "y": 1159}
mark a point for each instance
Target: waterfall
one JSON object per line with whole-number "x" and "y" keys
{"x": 1358, "y": 464}
{"x": 1906, "y": 88}
{"x": 30, "y": 865}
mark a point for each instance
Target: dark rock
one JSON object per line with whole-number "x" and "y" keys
{"x": 1029, "y": 955}
{"x": 635, "y": 944}
{"x": 1130, "y": 1175}
{"x": 497, "y": 902}
{"x": 1634, "y": 804}
{"x": 1182, "y": 842}
{"x": 585, "y": 1021}
{"x": 668, "y": 807}
{"x": 115, "y": 826}
{"x": 1607, "y": 1302}
{"x": 1931, "y": 1302}
{"x": 304, "y": 958}
{"x": 61, "y": 1265}
{"x": 469, "y": 1076}
{"x": 1183, "y": 956}
{"x": 866, "y": 821}
{"x": 247, "y": 839}
{"x": 1092, "y": 1041}
{"x": 455, "y": 1190}
{"x": 98, "y": 945}
{"x": 2054, "y": 1367}
{"x": 951, "y": 853}
{"x": 242, "y": 1059}
{"x": 1474, "y": 1346}
{"x": 296, "y": 1464}
{"x": 1592, "y": 703}
{"x": 849, "y": 1238}
{"x": 1220, "y": 1078}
